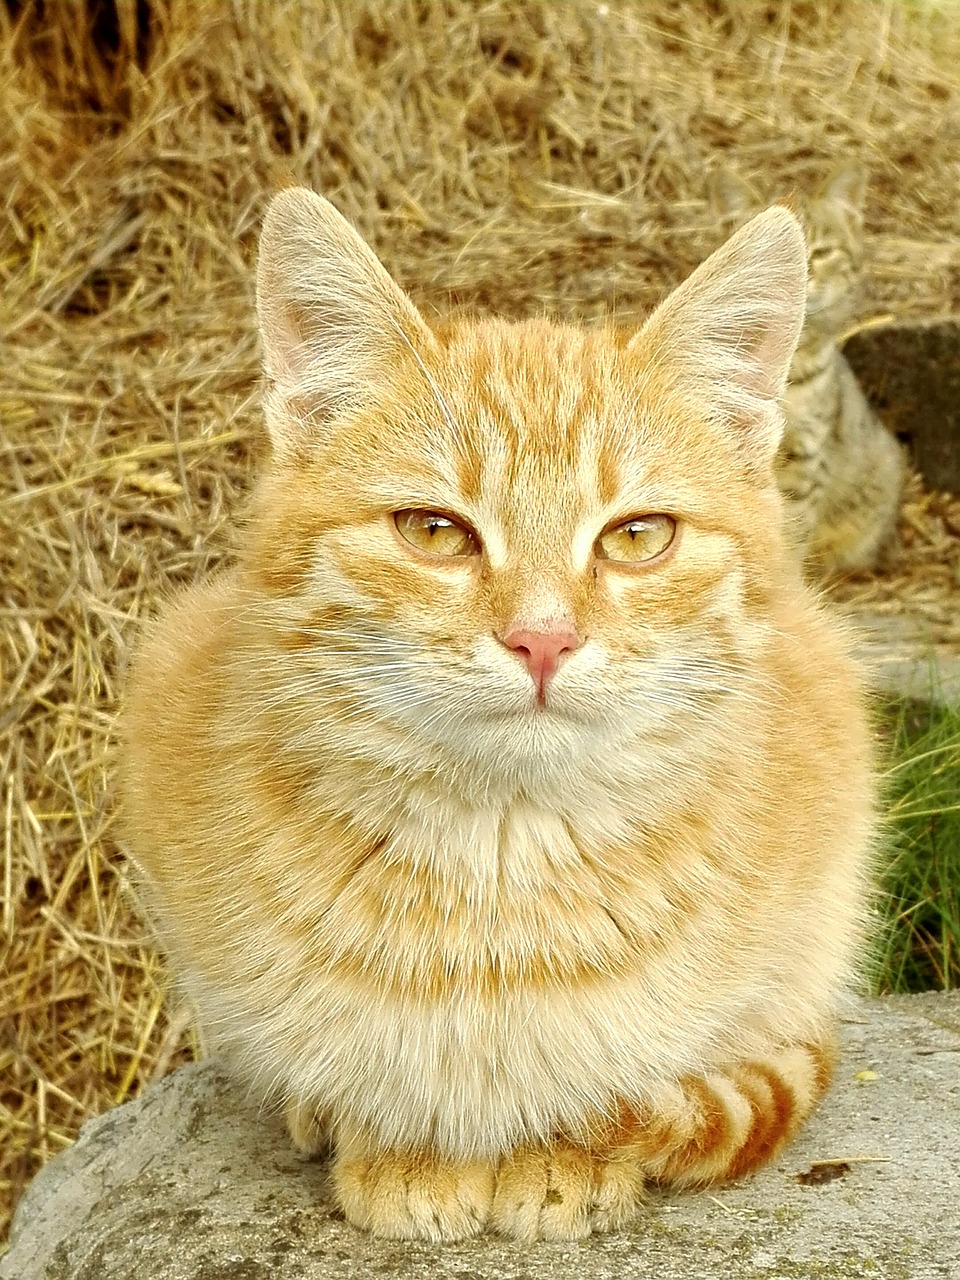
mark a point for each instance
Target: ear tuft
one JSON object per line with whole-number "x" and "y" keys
{"x": 332, "y": 321}
{"x": 728, "y": 333}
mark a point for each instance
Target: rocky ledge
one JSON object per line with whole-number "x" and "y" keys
{"x": 191, "y": 1183}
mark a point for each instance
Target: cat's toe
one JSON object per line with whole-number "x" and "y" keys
{"x": 562, "y": 1192}
{"x": 617, "y": 1194}
{"x": 414, "y": 1196}
{"x": 542, "y": 1193}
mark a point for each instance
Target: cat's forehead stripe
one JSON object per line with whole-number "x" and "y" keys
{"x": 538, "y": 419}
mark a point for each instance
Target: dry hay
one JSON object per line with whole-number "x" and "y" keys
{"x": 921, "y": 591}
{"x": 506, "y": 155}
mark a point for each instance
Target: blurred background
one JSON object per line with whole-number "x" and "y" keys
{"x": 509, "y": 155}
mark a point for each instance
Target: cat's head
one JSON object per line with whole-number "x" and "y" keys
{"x": 512, "y": 550}
{"x": 832, "y": 220}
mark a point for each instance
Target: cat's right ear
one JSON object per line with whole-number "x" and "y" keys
{"x": 731, "y": 199}
{"x": 333, "y": 324}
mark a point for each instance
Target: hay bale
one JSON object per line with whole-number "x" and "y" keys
{"x": 507, "y": 155}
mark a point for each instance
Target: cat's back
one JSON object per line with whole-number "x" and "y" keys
{"x": 821, "y": 714}
{"x": 176, "y": 656}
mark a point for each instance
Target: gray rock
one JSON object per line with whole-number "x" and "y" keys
{"x": 911, "y": 375}
{"x": 191, "y": 1183}
{"x": 902, "y": 659}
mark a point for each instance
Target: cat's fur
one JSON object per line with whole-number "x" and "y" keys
{"x": 512, "y": 956}
{"x": 840, "y": 470}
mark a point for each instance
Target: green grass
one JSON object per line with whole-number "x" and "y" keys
{"x": 918, "y": 946}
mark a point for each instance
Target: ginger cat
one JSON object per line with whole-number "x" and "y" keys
{"x": 840, "y": 470}
{"x": 506, "y": 809}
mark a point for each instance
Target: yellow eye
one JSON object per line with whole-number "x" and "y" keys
{"x": 439, "y": 534}
{"x": 819, "y": 254}
{"x": 636, "y": 540}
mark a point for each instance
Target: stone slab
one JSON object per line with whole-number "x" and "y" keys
{"x": 191, "y": 1183}
{"x": 911, "y": 375}
{"x": 902, "y": 659}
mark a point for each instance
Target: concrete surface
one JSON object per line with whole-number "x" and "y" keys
{"x": 190, "y": 1183}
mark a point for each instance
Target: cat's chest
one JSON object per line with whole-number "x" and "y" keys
{"x": 487, "y": 902}
{"x": 812, "y": 396}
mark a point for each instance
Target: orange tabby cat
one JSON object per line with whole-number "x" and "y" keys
{"x": 505, "y": 810}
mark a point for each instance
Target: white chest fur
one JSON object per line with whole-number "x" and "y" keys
{"x": 515, "y": 1004}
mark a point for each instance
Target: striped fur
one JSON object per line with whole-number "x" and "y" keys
{"x": 840, "y": 470}
{"x": 706, "y": 1129}
{"x": 512, "y": 956}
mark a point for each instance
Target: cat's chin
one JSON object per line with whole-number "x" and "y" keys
{"x": 537, "y": 737}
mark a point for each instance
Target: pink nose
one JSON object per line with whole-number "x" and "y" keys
{"x": 542, "y": 651}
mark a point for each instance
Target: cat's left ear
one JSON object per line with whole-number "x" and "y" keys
{"x": 333, "y": 324}
{"x": 727, "y": 335}
{"x": 847, "y": 186}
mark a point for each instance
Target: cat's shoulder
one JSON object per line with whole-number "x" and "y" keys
{"x": 186, "y": 636}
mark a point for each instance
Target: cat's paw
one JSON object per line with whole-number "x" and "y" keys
{"x": 306, "y": 1128}
{"x": 413, "y": 1195}
{"x": 563, "y": 1192}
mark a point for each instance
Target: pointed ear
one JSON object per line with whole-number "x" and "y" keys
{"x": 731, "y": 199}
{"x": 728, "y": 333}
{"x": 847, "y": 186}
{"x": 333, "y": 323}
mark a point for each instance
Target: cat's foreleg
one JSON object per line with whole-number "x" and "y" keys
{"x": 563, "y": 1190}
{"x": 410, "y": 1195}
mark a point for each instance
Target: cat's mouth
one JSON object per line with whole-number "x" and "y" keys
{"x": 542, "y": 709}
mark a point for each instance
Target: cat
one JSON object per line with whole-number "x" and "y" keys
{"x": 840, "y": 470}
{"x": 505, "y": 808}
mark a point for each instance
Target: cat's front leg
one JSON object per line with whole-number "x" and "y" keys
{"x": 410, "y": 1195}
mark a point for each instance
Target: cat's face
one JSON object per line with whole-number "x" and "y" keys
{"x": 834, "y": 254}
{"x": 520, "y": 545}
{"x": 832, "y": 220}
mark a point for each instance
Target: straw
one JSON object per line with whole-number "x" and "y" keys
{"x": 506, "y": 155}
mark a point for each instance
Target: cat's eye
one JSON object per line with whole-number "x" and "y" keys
{"x": 436, "y": 533}
{"x": 637, "y": 540}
